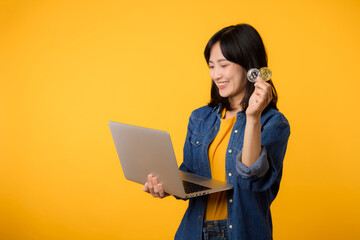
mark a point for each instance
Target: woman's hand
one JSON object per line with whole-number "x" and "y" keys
{"x": 260, "y": 98}
{"x": 154, "y": 188}
{"x": 258, "y": 101}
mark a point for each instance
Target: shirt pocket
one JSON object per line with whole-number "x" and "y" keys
{"x": 198, "y": 146}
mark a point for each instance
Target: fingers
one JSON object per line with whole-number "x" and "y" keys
{"x": 154, "y": 188}
{"x": 261, "y": 84}
{"x": 150, "y": 184}
{"x": 146, "y": 187}
{"x": 161, "y": 191}
{"x": 263, "y": 90}
{"x": 260, "y": 98}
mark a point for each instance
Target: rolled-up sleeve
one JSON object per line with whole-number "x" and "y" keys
{"x": 266, "y": 172}
{"x": 259, "y": 168}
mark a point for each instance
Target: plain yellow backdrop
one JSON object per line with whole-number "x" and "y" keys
{"x": 68, "y": 67}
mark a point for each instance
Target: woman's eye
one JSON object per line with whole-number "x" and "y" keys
{"x": 211, "y": 67}
{"x": 224, "y": 66}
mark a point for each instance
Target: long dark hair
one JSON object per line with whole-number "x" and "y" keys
{"x": 243, "y": 45}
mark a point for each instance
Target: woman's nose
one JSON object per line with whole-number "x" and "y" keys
{"x": 216, "y": 73}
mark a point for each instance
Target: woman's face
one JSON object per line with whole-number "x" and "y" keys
{"x": 229, "y": 77}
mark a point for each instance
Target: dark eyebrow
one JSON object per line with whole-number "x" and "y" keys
{"x": 220, "y": 60}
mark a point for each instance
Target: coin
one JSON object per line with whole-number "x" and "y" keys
{"x": 252, "y": 74}
{"x": 265, "y": 73}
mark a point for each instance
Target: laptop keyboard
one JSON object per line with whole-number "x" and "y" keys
{"x": 193, "y": 187}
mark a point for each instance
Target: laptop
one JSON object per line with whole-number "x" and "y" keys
{"x": 143, "y": 151}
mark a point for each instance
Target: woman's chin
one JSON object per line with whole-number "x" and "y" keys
{"x": 223, "y": 94}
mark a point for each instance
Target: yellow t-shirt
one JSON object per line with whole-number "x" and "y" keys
{"x": 216, "y": 207}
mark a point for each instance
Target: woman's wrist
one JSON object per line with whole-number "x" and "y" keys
{"x": 254, "y": 120}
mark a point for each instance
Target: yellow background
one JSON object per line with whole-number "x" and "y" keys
{"x": 68, "y": 67}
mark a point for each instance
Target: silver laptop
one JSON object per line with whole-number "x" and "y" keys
{"x": 143, "y": 151}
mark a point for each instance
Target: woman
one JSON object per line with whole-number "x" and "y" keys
{"x": 240, "y": 138}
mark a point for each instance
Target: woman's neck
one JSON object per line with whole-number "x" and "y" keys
{"x": 235, "y": 106}
{"x": 232, "y": 113}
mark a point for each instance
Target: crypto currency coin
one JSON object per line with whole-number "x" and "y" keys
{"x": 252, "y": 74}
{"x": 265, "y": 73}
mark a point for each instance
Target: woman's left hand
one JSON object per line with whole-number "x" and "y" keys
{"x": 260, "y": 98}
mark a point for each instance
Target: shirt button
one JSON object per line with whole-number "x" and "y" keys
{"x": 230, "y": 226}
{"x": 230, "y": 174}
{"x": 230, "y": 200}
{"x": 230, "y": 151}
{"x": 236, "y": 131}
{"x": 197, "y": 142}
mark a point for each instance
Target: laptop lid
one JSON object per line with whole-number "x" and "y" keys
{"x": 143, "y": 151}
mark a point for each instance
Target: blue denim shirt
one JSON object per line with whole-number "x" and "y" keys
{"x": 255, "y": 187}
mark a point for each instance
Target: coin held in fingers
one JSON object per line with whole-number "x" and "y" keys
{"x": 265, "y": 73}
{"x": 252, "y": 74}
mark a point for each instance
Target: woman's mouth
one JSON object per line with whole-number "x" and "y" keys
{"x": 222, "y": 85}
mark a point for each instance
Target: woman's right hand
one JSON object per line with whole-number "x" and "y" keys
{"x": 155, "y": 188}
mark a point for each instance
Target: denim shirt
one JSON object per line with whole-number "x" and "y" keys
{"x": 255, "y": 187}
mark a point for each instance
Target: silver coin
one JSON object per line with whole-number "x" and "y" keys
{"x": 252, "y": 74}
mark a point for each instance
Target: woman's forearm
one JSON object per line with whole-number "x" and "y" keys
{"x": 252, "y": 141}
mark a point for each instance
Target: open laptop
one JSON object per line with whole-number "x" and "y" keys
{"x": 143, "y": 151}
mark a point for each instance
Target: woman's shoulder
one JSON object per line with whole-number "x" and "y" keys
{"x": 203, "y": 111}
{"x": 273, "y": 116}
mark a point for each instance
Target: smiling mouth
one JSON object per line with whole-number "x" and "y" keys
{"x": 222, "y": 84}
